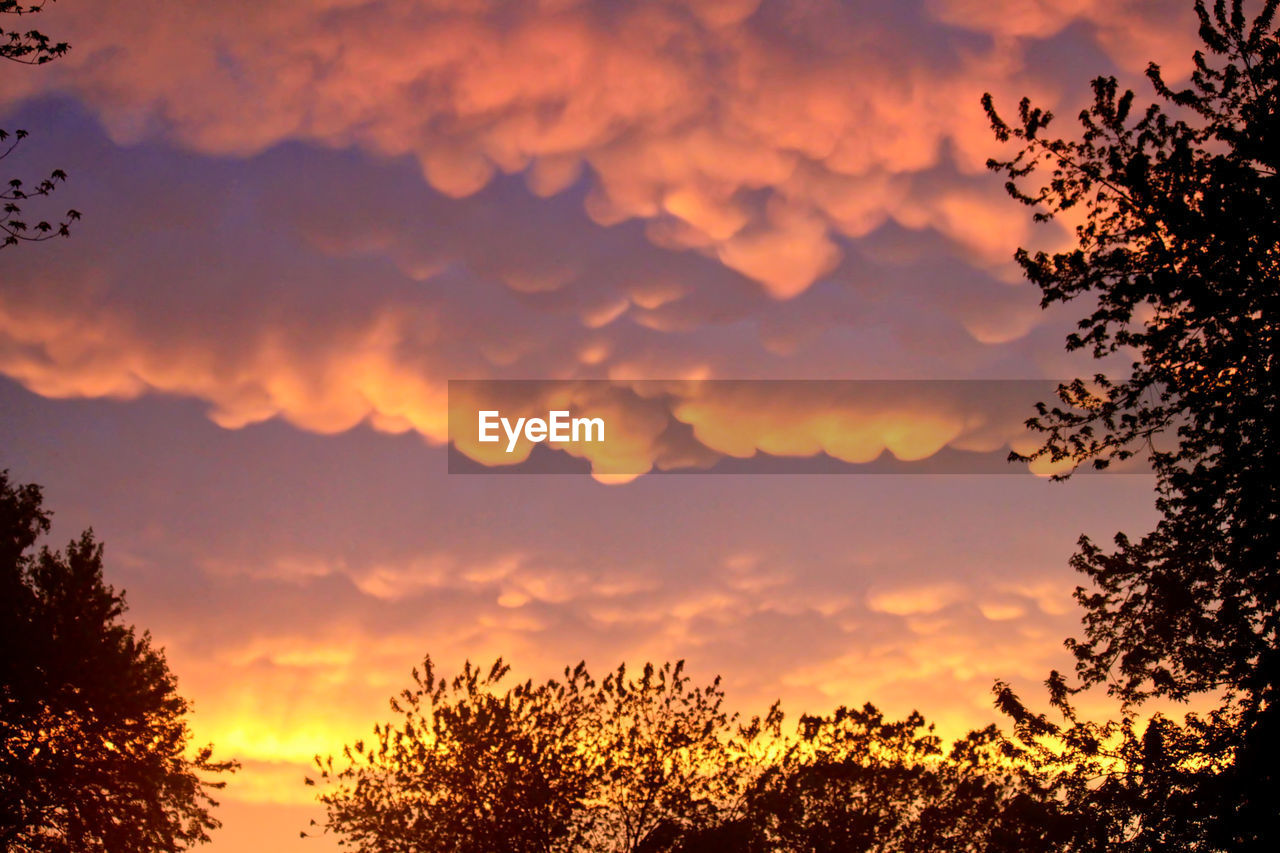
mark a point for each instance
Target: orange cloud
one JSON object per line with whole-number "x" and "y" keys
{"x": 738, "y": 129}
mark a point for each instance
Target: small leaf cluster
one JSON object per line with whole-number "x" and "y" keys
{"x": 29, "y": 47}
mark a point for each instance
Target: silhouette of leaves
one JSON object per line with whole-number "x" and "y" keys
{"x": 1178, "y": 256}
{"x": 29, "y": 47}
{"x": 650, "y": 763}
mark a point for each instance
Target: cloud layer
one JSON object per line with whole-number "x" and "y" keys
{"x": 759, "y": 134}
{"x": 246, "y": 285}
{"x": 558, "y": 189}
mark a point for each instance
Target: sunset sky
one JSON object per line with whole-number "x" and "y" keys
{"x": 303, "y": 217}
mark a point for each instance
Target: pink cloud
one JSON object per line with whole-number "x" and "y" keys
{"x": 683, "y": 115}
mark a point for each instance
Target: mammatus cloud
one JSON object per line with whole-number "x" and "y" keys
{"x": 724, "y": 189}
{"x": 332, "y": 322}
{"x": 370, "y": 372}
{"x": 643, "y": 425}
{"x": 760, "y": 134}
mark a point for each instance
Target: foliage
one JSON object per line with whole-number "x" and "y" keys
{"x": 30, "y": 47}
{"x": 1178, "y": 255}
{"x": 1122, "y": 785}
{"x": 549, "y": 766}
{"x": 854, "y": 781}
{"x": 653, "y": 763}
{"x": 95, "y": 741}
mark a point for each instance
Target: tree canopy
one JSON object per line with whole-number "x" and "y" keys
{"x": 651, "y": 762}
{"x": 1178, "y": 259}
{"x": 96, "y": 752}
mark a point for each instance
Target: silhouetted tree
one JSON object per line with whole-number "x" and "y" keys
{"x": 1178, "y": 256}
{"x": 854, "y": 781}
{"x": 562, "y": 765}
{"x": 653, "y": 764}
{"x": 94, "y": 753}
{"x": 29, "y": 47}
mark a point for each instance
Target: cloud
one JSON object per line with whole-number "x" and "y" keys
{"x": 760, "y": 134}
{"x": 357, "y": 313}
{"x": 1131, "y": 32}
{"x": 676, "y": 425}
{"x": 910, "y": 601}
{"x": 732, "y": 189}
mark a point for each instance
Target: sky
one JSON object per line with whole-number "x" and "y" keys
{"x": 301, "y": 219}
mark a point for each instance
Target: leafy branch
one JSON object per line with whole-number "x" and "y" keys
{"x": 29, "y": 47}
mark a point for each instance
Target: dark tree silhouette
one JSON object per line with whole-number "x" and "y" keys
{"x": 1178, "y": 258}
{"x": 562, "y": 765}
{"x": 95, "y": 753}
{"x": 27, "y": 47}
{"x": 653, "y": 764}
{"x": 854, "y": 781}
